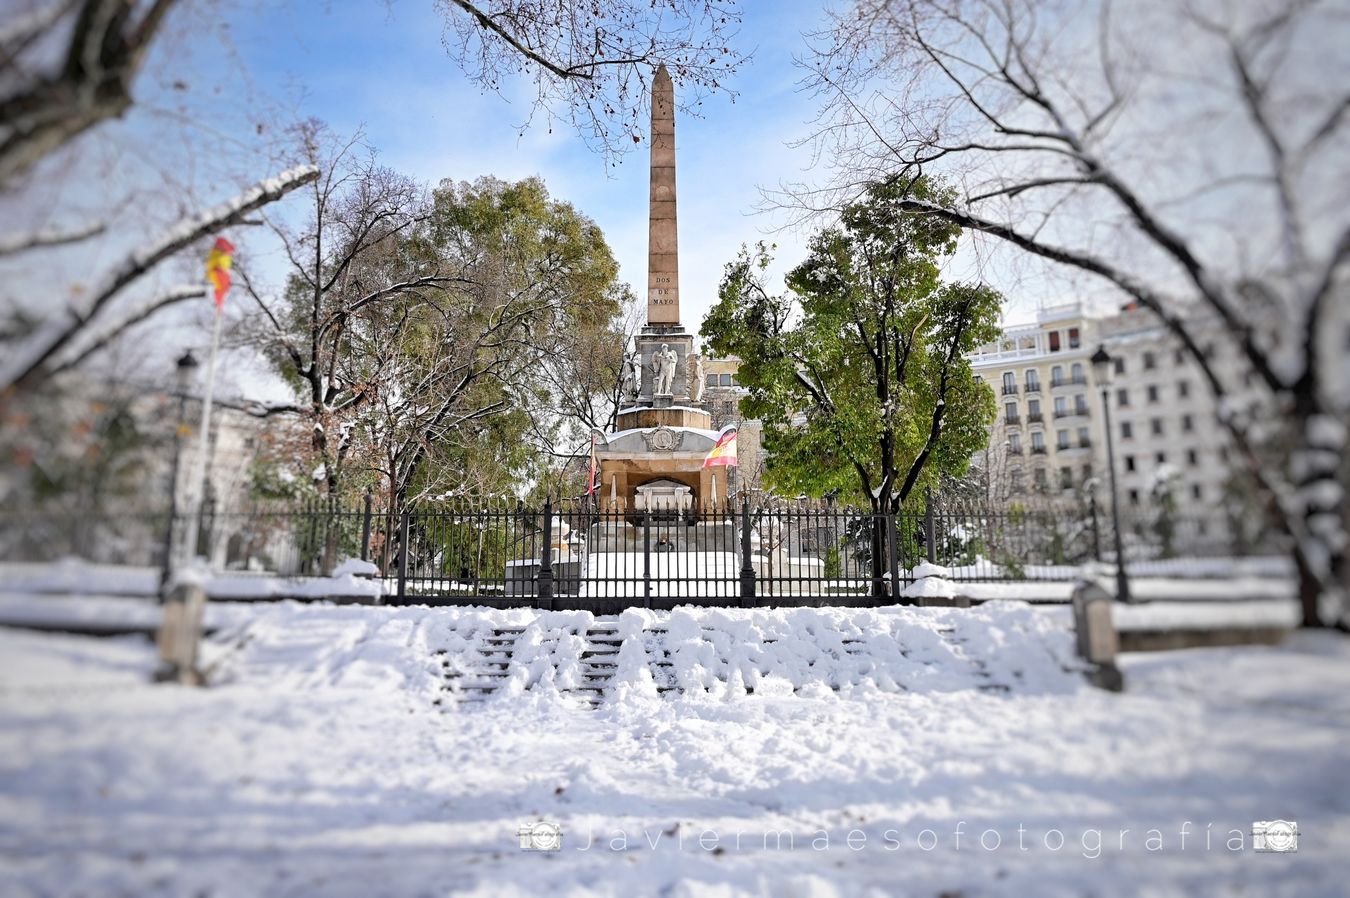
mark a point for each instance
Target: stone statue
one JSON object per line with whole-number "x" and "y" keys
{"x": 631, "y": 384}
{"x": 693, "y": 369}
{"x": 666, "y": 360}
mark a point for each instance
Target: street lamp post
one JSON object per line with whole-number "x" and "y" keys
{"x": 1102, "y": 371}
{"x": 184, "y": 371}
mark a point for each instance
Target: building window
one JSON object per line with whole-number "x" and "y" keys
{"x": 1083, "y": 439}
{"x": 1183, "y": 388}
{"x": 1037, "y": 441}
{"x": 1192, "y": 458}
{"x": 1134, "y": 497}
{"x": 1126, "y": 430}
{"x": 1153, "y": 393}
{"x": 1187, "y": 423}
{"x": 1066, "y": 478}
{"x": 1080, "y": 404}
{"x": 1056, "y": 376}
{"x": 1122, "y": 397}
{"x": 1196, "y": 491}
{"x": 1073, "y": 338}
{"x": 1061, "y": 406}
{"x": 1009, "y": 383}
{"x": 1160, "y": 458}
{"x": 1033, "y": 410}
{"x": 1129, "y": 463}
{"x": 1150, "y": 361}
{"x": 1011, "y": 409}
{"x": 1156, "y": 426}
{"x": 1061, "y": 439}
{"x": 1179, "y": 357}
{"x": 1015, "y": 443}
{"x": 1033, "y": 380}
{"x": 712, "y": 380}
{"x": 725, "y": 380}
{"x": 1054, "y": 341}
{"x": 1076, "y": 373}
{"x": 1016, "y": 476}
{"x": 1087, "y": 473}
{"x": 1039, "y": 477}
{"x": 1120, "y": 364}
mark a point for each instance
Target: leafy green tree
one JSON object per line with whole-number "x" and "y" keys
{"x": 859, "y": 370}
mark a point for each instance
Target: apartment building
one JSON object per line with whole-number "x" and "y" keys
{"x": 1047, "y": 436}
{"x": 1163, "y": 412}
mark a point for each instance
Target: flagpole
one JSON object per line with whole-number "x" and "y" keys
{"x": 197, "y": 484}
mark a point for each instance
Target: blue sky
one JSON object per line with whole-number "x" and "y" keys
{"x": 383, "y": 68}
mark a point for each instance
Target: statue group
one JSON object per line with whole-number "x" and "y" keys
{"x": 665, "y": 365}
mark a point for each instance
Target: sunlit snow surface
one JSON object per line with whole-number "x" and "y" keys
{"x": 320, "y": 762}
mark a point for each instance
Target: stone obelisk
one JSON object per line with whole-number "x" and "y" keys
{"x": 660, "y": 440}
{"x": 663, "y": 260}
{"x": 663, "y": 345}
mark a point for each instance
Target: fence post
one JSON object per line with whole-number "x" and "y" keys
{"x": 747, "y": 569}
{"x": 403, "y": 529}
{"x": 545, "y": 588}
{"x": 929, "y": 537}
{"x": 894, "y": 556}
{"x": 365, "y": 526}
{"x": 647, "y": 556}
{"x": 1096, "y": 531}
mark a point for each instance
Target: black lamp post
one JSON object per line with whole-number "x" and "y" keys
{"x": 1102, "y": 372}
{"x": 184, "y": 371}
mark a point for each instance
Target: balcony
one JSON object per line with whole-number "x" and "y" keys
{"x": 1058, "y": 382}
{"x": 1080, "y": 411}
{"x": 1035, "y": 417}
{"x": 1014, "y": 450}
{"x": 1010, "y": 389}
{"x": 1033, "y": 386}
{"x": 1012, "y": 420}
{"x": 1037, "y": 450}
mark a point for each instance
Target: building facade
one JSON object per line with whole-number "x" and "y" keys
{"x": 1049, "y": 437}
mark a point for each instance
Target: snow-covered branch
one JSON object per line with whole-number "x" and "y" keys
{"x": 26, "y": 363}
{"x": 19, "y": 242}
{"x": 91, "y": 342}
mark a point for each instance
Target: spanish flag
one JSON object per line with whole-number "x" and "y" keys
{"x": 724, "y": 453}
{"x": 218, "y": 268}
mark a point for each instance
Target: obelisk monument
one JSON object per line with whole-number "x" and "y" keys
{"x": 663, "y": 346}
{"x": 661, "y": 437}
{"x": 663, "y": 260}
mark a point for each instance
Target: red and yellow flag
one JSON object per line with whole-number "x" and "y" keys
{"x": 724, "y": 453}
{"x": 218, "y": 263}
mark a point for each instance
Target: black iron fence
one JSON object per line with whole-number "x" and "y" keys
{"x": 754, "y": 550}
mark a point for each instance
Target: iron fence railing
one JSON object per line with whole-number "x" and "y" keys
{"x": 756, "y": 549}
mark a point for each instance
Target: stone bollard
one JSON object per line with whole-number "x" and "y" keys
{"x": 1098, "y": 643}
{"x": 180, "y": 635}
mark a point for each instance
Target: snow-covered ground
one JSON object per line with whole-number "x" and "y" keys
{"x": 867, "y": 761}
